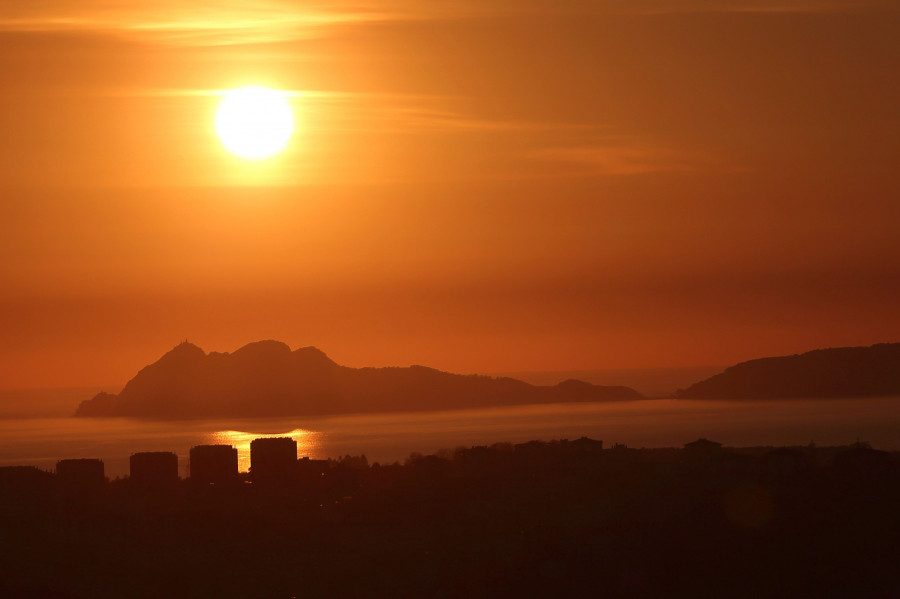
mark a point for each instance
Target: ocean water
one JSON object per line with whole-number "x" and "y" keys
{"x": 389, "y": 437}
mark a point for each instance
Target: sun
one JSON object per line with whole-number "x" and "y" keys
{"x": 254, "y": 122}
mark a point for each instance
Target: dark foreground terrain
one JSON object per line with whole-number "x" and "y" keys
{"x": 561, "y": 519}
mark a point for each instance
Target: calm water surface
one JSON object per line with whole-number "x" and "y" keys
{"x": 392, "y": 437}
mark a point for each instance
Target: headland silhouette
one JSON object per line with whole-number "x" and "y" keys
{"x": 832, "y": 372}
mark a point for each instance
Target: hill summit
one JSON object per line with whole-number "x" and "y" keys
{"x": 267, "y": 379}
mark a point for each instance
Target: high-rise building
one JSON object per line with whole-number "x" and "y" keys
{"x": 154, "y": 468}
{"x": 82, "y": 473}
{"x": 273, "y": 459}
{"x": 216, "y": 464}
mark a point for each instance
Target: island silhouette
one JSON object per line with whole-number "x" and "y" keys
{"x": 833, "y": 372}
{"x": 267, "y": 379}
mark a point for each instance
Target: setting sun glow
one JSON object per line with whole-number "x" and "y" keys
{"x": 254, "y": 122}
{"x": 308, "y": 443}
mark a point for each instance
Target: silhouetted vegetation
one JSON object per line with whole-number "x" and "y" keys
{"x": 557, "y": 519}
{"x": 834, "y": 372}
{"x": 266, "y": 378}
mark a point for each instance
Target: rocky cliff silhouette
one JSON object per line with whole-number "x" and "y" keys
{"x": 833, "y": 372}
{"x": 267, "y": 379}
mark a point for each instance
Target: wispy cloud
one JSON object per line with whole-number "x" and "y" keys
{"x": 747, "y": 6}
{"x": 220, "y": 22}
{"x": 436, "y": 113}
{"x": 624, "y": 158}
{"x": 394, "y": 113}
{"x": 175, "y": 22}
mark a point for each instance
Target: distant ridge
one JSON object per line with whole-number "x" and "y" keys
{"x": 267, "y": 379}
{"x": 833, "y": 372}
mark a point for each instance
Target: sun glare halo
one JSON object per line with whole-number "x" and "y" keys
{"x": 254, "y": 122}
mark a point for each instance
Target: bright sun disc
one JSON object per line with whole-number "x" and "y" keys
{"x": 254, "y": 122}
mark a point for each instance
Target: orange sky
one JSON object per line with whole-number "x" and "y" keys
{"x": 476, "y": 186}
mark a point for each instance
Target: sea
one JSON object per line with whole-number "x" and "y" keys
{"x": 43, "y": 434}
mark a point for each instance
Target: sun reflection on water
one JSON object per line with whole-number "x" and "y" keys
{"x": 309, "y": 443}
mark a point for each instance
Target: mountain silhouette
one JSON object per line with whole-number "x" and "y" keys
{"x": 833, "y": 372}
{"x": 267, "y": 379}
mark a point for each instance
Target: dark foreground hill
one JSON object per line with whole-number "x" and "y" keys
{"x": 267, "y": 379}
{"x": 834, "y": 372}
{"x": 566, "y": 519}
